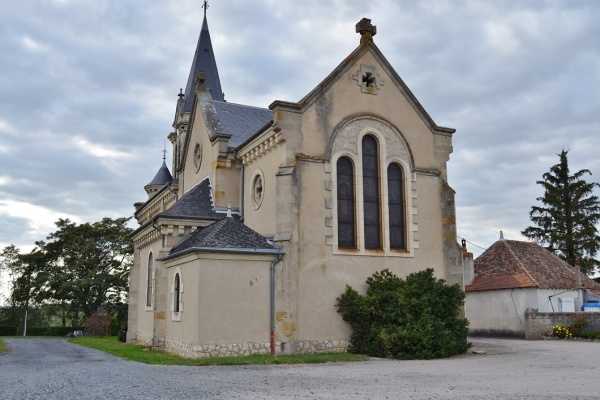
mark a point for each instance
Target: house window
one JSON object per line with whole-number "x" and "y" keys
{"x": 177, "y": 293}
{"x": 371, "y": 199}
{"x": 345, "y": 203}
{"x": 149, "y": 282}
{"x": 397, "y": 228}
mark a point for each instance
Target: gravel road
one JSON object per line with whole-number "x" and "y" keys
{"x": 510, "y": 369}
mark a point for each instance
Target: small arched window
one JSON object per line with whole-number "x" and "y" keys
{"x": 176, "y": 293}
{"x": 345, "y": 203}
{"x": 397, "y": 227}
{"x": 149, "y": 282}
{"x": 371, "y": 199}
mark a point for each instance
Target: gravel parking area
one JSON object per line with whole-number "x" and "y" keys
{"x": 504, "y": 369}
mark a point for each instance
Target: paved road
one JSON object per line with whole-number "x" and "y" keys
{"x": 511, "y": 369}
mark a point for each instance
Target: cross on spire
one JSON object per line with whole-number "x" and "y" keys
{"x": 205, "y": 6}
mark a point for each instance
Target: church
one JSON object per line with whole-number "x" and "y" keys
{"x": 266, "y": 214}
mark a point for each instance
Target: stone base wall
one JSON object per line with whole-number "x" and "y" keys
{"x": 324, "y": 346}
{"x": 197, "y": 351}
{"x": 192, "y": 350}
{"x": 538, "y": 324}
{"x": 144, "y": 338}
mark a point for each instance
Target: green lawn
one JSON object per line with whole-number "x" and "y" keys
{"x": 2, "y": 346}
{"x": 141, "y": 354}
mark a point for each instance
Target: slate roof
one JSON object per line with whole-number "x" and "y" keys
{"x": 204, "y": 59}
{"x": 196, "y": 203}
{"x": 513, "y": 264}
{"x": 162, "y": 177}
{"x": 241, "y": 121}
{"x": 228, "y": 234}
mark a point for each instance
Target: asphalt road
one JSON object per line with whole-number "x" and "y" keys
{"x": 510, "y": 369}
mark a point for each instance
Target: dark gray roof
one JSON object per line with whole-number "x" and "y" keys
{"x": 195, "y": 204}
{"x": 162, "y": 177}
{"x": 228, "y": 234}
{"x": 241, "y": 121}
{"x": 204, "y": 59}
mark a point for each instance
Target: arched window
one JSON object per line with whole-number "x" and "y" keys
{"x": 396, "y": 207}
{"x": 149, "y": 282}
{"x": 371, "y": 199}
{"x": 345, "y": 203}
{"x": 176, "y": 293}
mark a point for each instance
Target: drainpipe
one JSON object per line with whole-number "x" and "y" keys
{"x": 241, "y": 186}
{"x": 272, "y": 302}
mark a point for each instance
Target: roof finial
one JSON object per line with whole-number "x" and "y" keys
{"x": 229, "y": 209}
{"x": 205, "y": 6}
{"x": 180, "y": 95}
{"x": 501, "y": 236}
{"x": 366, "y": 30}
{"x": 165, "y": 151}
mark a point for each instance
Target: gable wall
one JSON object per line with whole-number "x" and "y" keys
{"x": 321, "y": 270}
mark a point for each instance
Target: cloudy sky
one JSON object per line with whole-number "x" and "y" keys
{"x": 88, "y": 92}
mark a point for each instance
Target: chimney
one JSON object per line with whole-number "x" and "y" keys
{"x": 468, "y": 265}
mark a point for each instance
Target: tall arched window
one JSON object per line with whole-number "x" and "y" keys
{"x": 176, "y": 293}
{"x": 346, "y": 210}
{"x": 149, "y": 282}
{"x": 396, "y": 207}
{"x": 371, "y": 199}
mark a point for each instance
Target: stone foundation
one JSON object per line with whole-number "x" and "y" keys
{"x": 197, "y": 351}
{"x": 144, "y": 338}
{"x": 322, "y": 346}
{"x": 192, "y": 350}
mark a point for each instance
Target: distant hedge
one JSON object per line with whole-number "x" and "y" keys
{"x": 38, "y": 330}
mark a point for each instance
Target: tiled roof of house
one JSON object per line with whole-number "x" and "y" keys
{"x": 512, "y": 264}
{"x": 228, "y": 234}
{"x": 197, "y": 203}
{"x": 241, "y": 121}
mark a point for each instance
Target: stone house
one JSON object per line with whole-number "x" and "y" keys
{"x": 270, "y": 212}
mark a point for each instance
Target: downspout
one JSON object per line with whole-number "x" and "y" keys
{"x": 272, "y": 302}
{"x": 241, "y": 185}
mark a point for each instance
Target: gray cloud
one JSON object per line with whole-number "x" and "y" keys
{"x": 88, "y": 89}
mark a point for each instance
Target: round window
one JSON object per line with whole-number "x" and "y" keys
{"x": 198, "y": 156}
{"x": 257, "y": 189}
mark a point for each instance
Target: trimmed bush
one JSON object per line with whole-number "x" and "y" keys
{"x": 415, "y": 318}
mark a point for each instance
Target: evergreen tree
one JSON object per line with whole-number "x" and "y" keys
{"x": 566, "y": 221}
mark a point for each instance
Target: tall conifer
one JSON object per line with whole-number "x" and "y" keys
{"x": 566, "y": 221}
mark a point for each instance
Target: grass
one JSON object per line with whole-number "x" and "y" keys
{"x": 141, "y": 354}
{"x": 2, "y": 346}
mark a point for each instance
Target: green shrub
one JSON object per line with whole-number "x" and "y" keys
{"x": 591, "y": 334}
{"x": 122, "y": 334}
{"x": 416, "y": 318}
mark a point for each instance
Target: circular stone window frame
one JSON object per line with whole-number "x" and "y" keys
{"x": 257, "y": 176}
{"x": 197, "y": 156}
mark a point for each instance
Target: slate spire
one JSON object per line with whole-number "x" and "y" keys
{"x": 163, "y": 177}
{"x": 204, "y": 59}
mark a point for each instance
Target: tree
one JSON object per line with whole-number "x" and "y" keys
{"x": 87, "y": 265}
{"x": 566, "y": 222}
